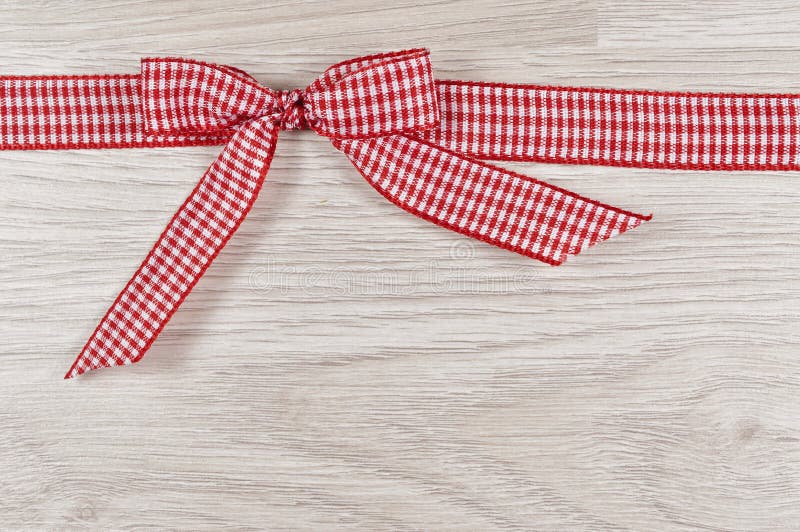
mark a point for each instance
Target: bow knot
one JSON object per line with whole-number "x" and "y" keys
{"x": 291, "y": 110}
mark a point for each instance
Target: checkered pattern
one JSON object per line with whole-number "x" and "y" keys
{"x": 372, "y": 96}
{"x": 497, "y": 206}
{"x": 379, "y": 110}
{"x": 180, "y": 98}
{"x": 185, "y": 96}
{"x": 65, "y": 112}
{"x": 192, "y": 239}
{"x": 620, "y": 127}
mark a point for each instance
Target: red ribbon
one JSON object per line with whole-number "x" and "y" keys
{"x": 417, "y": 141}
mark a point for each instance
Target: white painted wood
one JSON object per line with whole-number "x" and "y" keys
{"x": 345, "y": 365}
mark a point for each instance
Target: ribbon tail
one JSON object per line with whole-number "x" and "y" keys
{"x": 196, "y": 234}
{"x": 503, "y": 208}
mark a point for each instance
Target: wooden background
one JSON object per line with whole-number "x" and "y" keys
{"x": 345, "y": 365}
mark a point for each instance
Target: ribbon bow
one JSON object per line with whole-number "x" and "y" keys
{"x": 381, "y": 111}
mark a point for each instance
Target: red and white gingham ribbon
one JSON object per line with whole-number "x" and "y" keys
{"x": 419, "y": 142}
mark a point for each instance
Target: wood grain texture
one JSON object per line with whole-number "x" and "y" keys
{"x": 345, "y": 365}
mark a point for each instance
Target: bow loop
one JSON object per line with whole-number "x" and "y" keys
{"x": 182, "y": 96}
{"x": 374, "y": 96}
{"x": 365, "y": 97}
